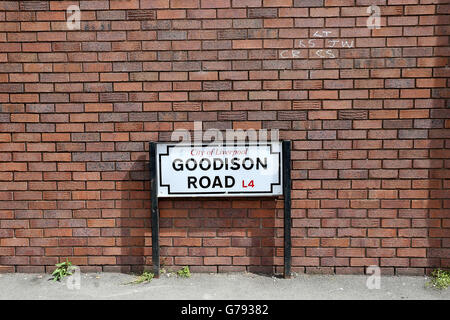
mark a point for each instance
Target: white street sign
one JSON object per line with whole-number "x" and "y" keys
{"x": 219, "y": 170}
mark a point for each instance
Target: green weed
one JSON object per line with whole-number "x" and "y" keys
{"x": 184, "y": 272}
{"x": 144, "y": 277}
{"x": 439, "y": 279}
{"x": 62, "y": 270}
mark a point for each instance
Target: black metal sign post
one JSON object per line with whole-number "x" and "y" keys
{"x": 155, "y": 211}
{"x": 286, "y": 150}
{"x": 287, "y": 207}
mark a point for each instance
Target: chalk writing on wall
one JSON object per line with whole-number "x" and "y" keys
{"x": 320, "y": 46}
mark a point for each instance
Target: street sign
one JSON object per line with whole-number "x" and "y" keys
{"x": 190, "y": 170}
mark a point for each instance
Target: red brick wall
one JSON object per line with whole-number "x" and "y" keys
{"x": 369, "y": 124}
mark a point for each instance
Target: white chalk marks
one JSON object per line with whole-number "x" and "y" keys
{"x": 320, "y": 46}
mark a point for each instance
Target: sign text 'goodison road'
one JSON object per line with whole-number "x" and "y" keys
{"x": 222, "y": 170}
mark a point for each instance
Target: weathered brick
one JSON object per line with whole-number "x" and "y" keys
{"x": 232, "y": 34}
{"x": 262, "y": 13}
{"x": 141, "y": 15}
{"x": 156, "y": 25}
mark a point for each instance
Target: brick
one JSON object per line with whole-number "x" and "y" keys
{"x": 262, "y": 13}
{"x": 134, "y": 15}
{"x": 172, "y": 35}
{"x": 207, "y": 4}
{"x": 34, "y": 5}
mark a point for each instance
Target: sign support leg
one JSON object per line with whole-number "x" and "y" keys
{"x": 287, "y": 207}
{"x": 154, "y": 211}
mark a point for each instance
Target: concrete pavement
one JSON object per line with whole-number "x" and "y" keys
{"x": 235, "y": 286}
